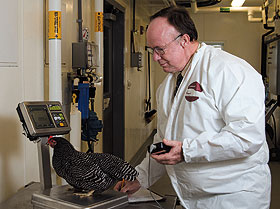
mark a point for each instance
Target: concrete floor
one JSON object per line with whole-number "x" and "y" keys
{"x": 163, "y": 186}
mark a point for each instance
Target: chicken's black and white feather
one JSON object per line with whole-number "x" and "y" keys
{"x": 88, "y": 171}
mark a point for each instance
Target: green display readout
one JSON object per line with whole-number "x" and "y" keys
{"x": 224, "y": 9}
{"x": 54, "y": 108}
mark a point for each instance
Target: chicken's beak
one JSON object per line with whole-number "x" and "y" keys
{"x": 51, "y": 142}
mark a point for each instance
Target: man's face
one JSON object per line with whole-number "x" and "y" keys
{"x": 164, "y": 39}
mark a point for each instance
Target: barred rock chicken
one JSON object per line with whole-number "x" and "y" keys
{"x": 88, "y": 172}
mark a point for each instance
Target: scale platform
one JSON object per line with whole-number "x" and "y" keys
{"x": 31, "y": 197}
{"x": 62, "y": 197}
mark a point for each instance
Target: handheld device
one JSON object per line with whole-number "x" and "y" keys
{"x": 42, "y": 119}
{"x": 159, "y": 148}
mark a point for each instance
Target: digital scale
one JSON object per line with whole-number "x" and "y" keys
{"x": 40, "y": 120}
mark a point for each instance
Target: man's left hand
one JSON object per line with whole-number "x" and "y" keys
{"x": 174, "y": 156}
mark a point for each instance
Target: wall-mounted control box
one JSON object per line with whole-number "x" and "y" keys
{"x": 136, "y": 59}
{"x": 84, "y": 55}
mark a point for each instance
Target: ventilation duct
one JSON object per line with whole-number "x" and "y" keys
{"x": 200, "y": 3}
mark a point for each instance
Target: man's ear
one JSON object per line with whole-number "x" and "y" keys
{"x": 185, "y": 40}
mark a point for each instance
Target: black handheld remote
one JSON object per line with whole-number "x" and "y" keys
{"x": 159, "y": 148}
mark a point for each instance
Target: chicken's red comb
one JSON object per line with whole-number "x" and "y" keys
{"x": 50, "y": 138}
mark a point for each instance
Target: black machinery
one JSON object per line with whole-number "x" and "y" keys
{"x": 271, "y": 75}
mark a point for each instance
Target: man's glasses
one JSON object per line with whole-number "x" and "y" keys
{"x": 161, "y": 50}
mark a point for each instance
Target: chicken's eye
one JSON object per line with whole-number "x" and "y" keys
{"x": 53, "y": 142}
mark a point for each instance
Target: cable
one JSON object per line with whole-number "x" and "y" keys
{"x": 275, "y": 132}
{"x": 159, "y": 206}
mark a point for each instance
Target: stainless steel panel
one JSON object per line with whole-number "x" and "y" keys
{"x": 62, "y": 197}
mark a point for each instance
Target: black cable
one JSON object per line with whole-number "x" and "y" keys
{"x": 132, "y": 42}
{"x": 90, "y": 150}
{"x": 133, "y": 20}
{"x": 133, "y": 29}
{"x": 275, "y": 131}
{"x": 80, "y": 20}
{"x": 149, "y": 71}
{"x": 148, "y": 101}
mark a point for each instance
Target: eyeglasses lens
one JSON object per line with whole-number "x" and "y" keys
{"x": 157, "y": 50}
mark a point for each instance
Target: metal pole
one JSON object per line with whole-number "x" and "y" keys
{"x": 99, "y": 34}
{"x": 55, "y": 87}
{"x": 44, "y": 163}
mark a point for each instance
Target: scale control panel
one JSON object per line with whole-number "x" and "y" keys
{"x": 41, "y": 119}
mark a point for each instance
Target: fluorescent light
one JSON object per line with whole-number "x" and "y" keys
{"x": 237, "y": 3}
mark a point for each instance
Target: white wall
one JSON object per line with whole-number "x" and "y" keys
{"x": 23, "y": 80}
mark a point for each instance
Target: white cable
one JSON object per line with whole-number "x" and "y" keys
{"x": 159, "y": 206}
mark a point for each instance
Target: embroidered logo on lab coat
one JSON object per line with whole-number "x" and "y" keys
{"x": 191, "y": 93}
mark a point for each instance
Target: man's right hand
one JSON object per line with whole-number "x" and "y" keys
{"x": 128, "y": 187}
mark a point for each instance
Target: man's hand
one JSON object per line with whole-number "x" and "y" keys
{"x": 128, "y": 187}
{"x": 174, "y": 156}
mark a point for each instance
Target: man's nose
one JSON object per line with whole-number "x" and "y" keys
{"x": 156, "y": 57}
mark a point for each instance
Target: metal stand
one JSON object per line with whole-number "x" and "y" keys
{"x": 44, "y": 163}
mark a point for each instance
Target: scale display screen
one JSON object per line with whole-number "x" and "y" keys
{"x": 42, "y": 119}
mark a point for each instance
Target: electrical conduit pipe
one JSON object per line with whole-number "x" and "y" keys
{"x": 55, "y": 87}
{"x": 98, "y": 29}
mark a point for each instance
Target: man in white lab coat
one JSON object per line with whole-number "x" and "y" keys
{"x": 213, "y": 120}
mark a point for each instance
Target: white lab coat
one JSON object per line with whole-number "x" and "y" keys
{"x": 218, "y": 114}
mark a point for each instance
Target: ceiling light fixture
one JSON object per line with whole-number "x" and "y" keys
{"x": 237, "y": 3}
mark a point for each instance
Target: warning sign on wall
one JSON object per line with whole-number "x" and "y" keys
{"x": 99, "y": 22}
{"x": 54, "y": 25}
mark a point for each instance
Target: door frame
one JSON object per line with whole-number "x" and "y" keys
{"x": 116, "y": 144}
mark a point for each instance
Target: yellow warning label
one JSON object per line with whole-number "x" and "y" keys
{"x": 99, "y": 22}
{"x": 54, "y": 25}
